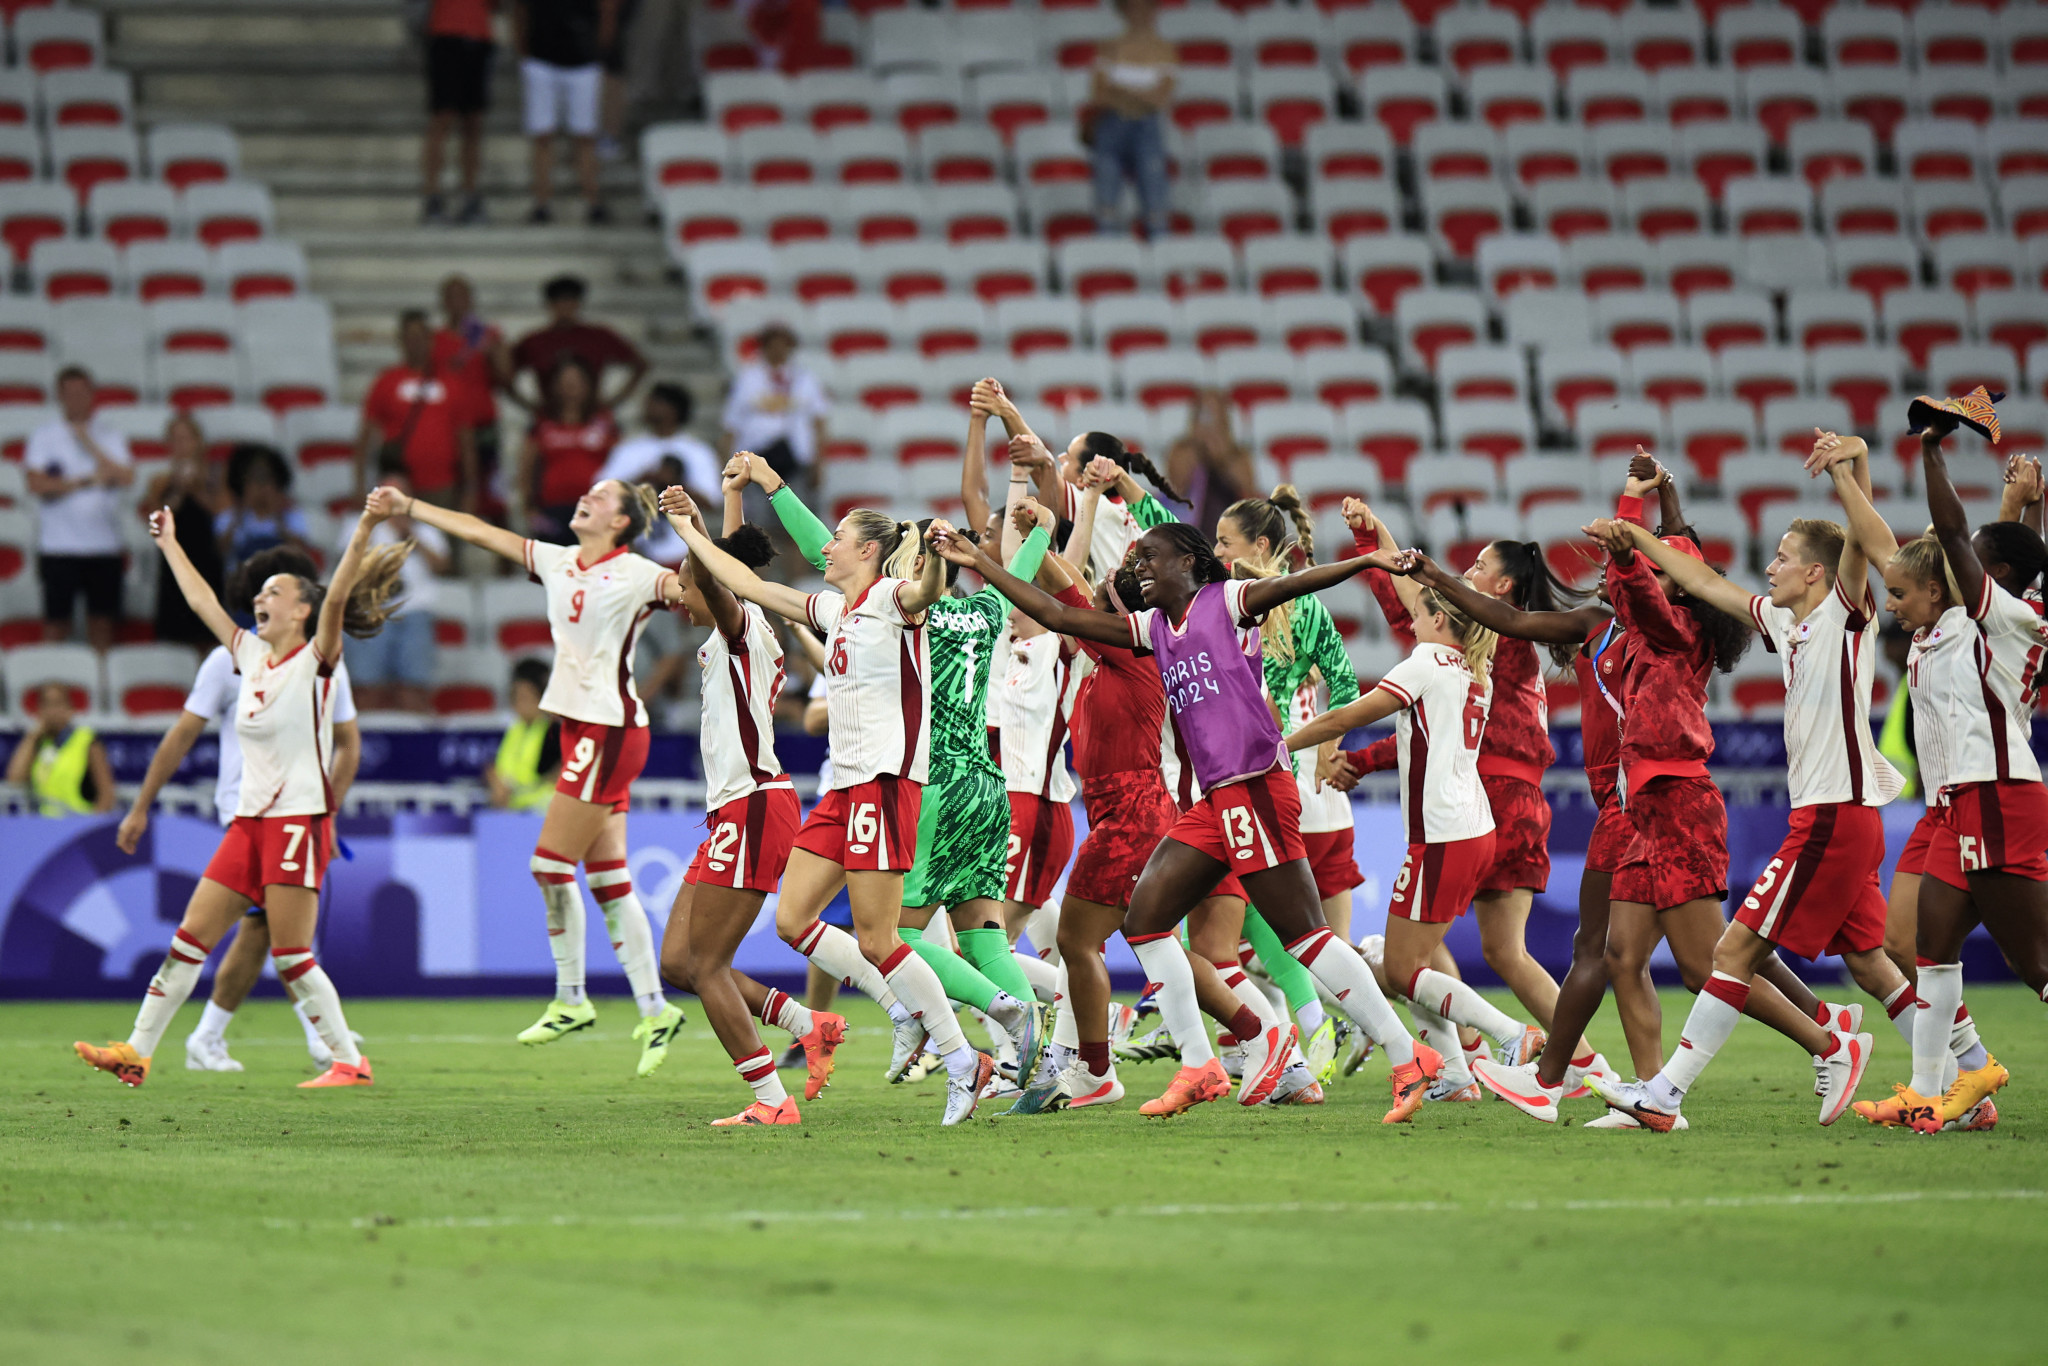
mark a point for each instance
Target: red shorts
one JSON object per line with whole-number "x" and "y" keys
{"x": 1041, "y": 842}
{"x": 1913, "y": 858}
{"x": 1607, "y": 846}
{"x": 1819, "y": 893}
{"x": 1990, "y": 827}
{"x": 599, "y": 763}
{"x": 272, "y": 851}
{"x": 1128, "y": 814}
{"x": 1247, "y": 826}
{"x": 1678, "y": 851}
{"x": 750, "y": 840}
{"x": 1521, "y": 835}
{"x": 868, "y": 828}
{"x": 1438, "y": 881}
{"x": 1331, "y": 859}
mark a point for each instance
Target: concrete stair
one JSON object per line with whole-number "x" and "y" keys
{"x": 329, "y": 99}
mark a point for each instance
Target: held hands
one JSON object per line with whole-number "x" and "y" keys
{"x": 987, "y": 398}
{"x": 1100, "y": 473}
{"x": 675, "y": 501}
{"x": 1029, "y": 453}
{"x": 1831, "y": 449}
{"x": 386, "y": 501}
{"x": 1414, "y": 564}
{"x": 1385, "y": 559}
{"x": 1029, "y": 513}
{"x": 764, "y": 478}
{"x": 163, "y": 528}
{"x": 1645, "y": 475}
{"x": 950, "y": 546}
{"x": 1617, "y": 538}
{"x": 736, "y": 477}
{"x": 1333, "y": 770}
{"x": 2023, "y": 472}
{"x": 1357, "y": 514}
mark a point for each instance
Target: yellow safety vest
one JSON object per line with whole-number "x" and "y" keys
{"x": 57, "y": 778}
{"x": 1891, "y": 742}
{"x": 518, "y": 763}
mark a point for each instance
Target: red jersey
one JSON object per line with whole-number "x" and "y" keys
{"x": 461, "y": 19}
{"x": 595, "y": 343}
{"x": 569, "y": 456}
{"x": 432, "y": 452}
{"x": 1664, "y": 730}
{"x": 1517, "y": 739}
{"x": 1120, "y": 711}
{"x": 466, "y": 357}
{"x": 1600, "y": 666}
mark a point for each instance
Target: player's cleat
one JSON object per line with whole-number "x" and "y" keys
{"x": 1149, "y": 1047}
{"x": 1084, "y": 1090}
{"x": 1354, "y": 1044}
{"x": 762, "y": 1113}
{"x": 1889, "y": 1113}
{"x": 1042, "y": 1093}
{"x": 1840, "y": 1019}
{"x": 1191, "y": 1086}
{"x": 1319, "y": 1049}
{"x": 1025, "y": 1034}
{"x": 657, "y": 1031}
{"x": 964, "y": 1093}
{"x": 1631, "y": 1100}
{"x": 1615, "y": 1119}
{"x": 1518, "y": 1087}
{"x": 1230, "y": 1051}
{"x": 1980, "y": 1117}
{"x": 1297, "y": 1086}
{"x": 905, "y": 1050}
{"x": 1148, "y": 1004}
{"x": 1922, "y": 1114}
{"x": 1842, "y": 1072}
{"x": 559, "y": 1021}
{"x": 1525, "y": 1047}
{"x": 321, "y": 1054}
{"x": 341, "y": 1074}
{"x": 1575, "y": 1087}
{"x": 792, "y": 1056}
{"x": 208, "y": 1053}
{"x": 1453, "y": 1092}
{"x": 1971, "y": 1087}
{"x": 816, "y": 1048}
{"x": 927, "y": 1065}
{"x": 1266, "y": 1057}
{"x": 117, "y": 1058}
{"x": 1410, "y": 1083}
{"x": 1001, "y": 1087}
{"x": 1121, "y": 1020}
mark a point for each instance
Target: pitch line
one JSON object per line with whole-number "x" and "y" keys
{"x": 1786, "y": 1200}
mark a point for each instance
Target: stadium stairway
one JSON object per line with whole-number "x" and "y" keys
{"x": 327, "y": 97}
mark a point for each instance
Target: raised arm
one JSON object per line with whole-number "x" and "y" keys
{"x": 1638, "y": 601}
{"x": 1397, "y": 597}
{"x": 732, "y": 487}
{"x": 1338, "y": 722}
{"x": 974, "y": 463}
{"x": 1087, "y": 501}
{"x": 778, "y": 598}
{"x": 333, "y": 607}
{"x": 930, "y": 585}
{"x": 1502, "y": 618}
{"x": 199, "y": 594}
{"x": 725, "y": 608}
{"x": 1104, "y": 628}
{"x": 391, "y": 503}
{"x": 803, "y": 526}
{"x": 2020, "y": 499}
{"x": 1263, "y": 595}
{"x": 1846, "y": 461}
{"x": 1854, "y": 566}
{"x": 1951, "y": 522}
{"x": 1692, "y": 575}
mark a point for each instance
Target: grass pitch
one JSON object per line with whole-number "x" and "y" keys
{"x": 494, "y": 1204}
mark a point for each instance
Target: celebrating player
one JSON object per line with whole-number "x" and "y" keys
{"x": 599, "y": 595}
{"x": 863, "y": 834}
{"x": 275, "y": 853}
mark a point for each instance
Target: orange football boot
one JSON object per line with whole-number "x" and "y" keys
{"x": 1191, "y": 1087}
{"x": 1411, "y": 1082}
{"x": 828, "y": 1031}
{"x": 341, "y": 1074}
{"x": 117, "y": 1058}
{"x": 761, "y": 1112}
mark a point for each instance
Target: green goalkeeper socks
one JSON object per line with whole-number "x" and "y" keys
{"x": 962, "y": 981}
{"x": 1286, "y": 971}
{"x": 989, "y": 950}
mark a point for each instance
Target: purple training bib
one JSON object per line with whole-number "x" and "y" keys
{"x": 1216, "y": 692}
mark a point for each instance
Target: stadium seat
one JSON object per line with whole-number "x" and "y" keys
{"x": 1456, "y": 151}
{"x": 1203, "y": 97}
{"x": 1461, "y": 213}
{"x": 1717, "y": 151}
{"x": 1344, "y": 375}
{"x": 21, "y": 154}
{"x": 322, "y": 435}
{"x": 57, "y": 39}
{"x": 919, "y": 101}
{"x": 1780, "y": 97}
{"x": 1400, "y": 98}
{"x": 1367, "y": 36}
{"x": 26, "y": 377}
{"x": 1767, "y": 205}
{"x": 1348, "y": 151}
{"x": 1938, "y": 149}
{"x": 1971, "y": 262}
{"x": 720, "y": 272}
{"x": 83, "y": 156}
{"x": 1753, "y": 483}
{"x": 1470, "y": 38}
{"x": 1789, "y": 423}
{"x": 1568, "y": 39}
{"x": 260, "y": 270}
{"x": 1661, "y": 206}
{"x": 69, "y": 268}
{"x": 1064, "y": 379}
{"x": 1921, "y": 319}
{"x": 1233, "y": 151}
{"x": 186, "y": 154}
{"x": 20, "y": 98}
{"x": 1758, "y": 35}
{"x": 1122, "y": 323}
{"x": 1671, "y": 374}
{"x": 1498, "y": 431}
{"x": 1688, "y": 95}
{"x": 865, "y": 154}
{"x": 1158, "y": 378}
{"x": 1348, "y": 208}
{"x": 2013, "y": 147}
{"x": 2023, "y": 202}
{"x": 1534, "y": 152}
{"x": 1506, "y": 96}
{"x": 1516, "y": 261}
{"x": 1759, "y": 374}
{"x": 673, "y": 154}
{"x": 1600, "y": 261}
{"x": 1447, "y": 479}
{"x": 1609, "y": 431}
{"x": 1540, "y": 480}
{"x": 1630, "y": 151}
{"x": 1820, "y": 317}
{"x": 25, "y": 324}
{"x": 878, "y": 380}
{"x": 1091, "y": 268}
{"x": 1958, "y": 368}
{"x": 32, "y": 213}
{"x": 1876, "y": 265}
{"x": 1390, "y": 432}
{"x": 1028, "y": 325}
{"x": 1821, "y": 149}
{"x": 87, "y": 96}
{"x": 1240, "y": 210}
{"x": 1542, "y": 318}
{"x": 1865, "y": 378}
{"x": 1221, "y": 322}
{"x": 1599, "y": 95}
{"x": 1311, "y": 322}
{"x": 1567, "y": 207}
{"x": 1287, "y": 264}
{"x": 1195, "y": 263}
{"x": 1856, "y": 36}
{"x": 1569, "y": 376}
{"x": 1289, "y": 101}
{"x": 227, "y": 211}
{"x": 1285, "y": 432}
{"x": 1777, "y": 264}
{"x": 1853, "y": 206}
{"x": 1706, "y": 431}
{"x": 1954, "y": 36}
{"x": 1428, "y": 319}
{"x": 125, "y": 212}
{"x": 26, "y": 668}
{"x": 2012, "y": 318}
{"x": 1468, "y": 373}
{"x": 1628, "y": 318}
{"x": 150, "y": 681}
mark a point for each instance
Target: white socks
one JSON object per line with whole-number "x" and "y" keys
{"x": 838, "y": 953}
{"x": 213, "y": 1022}
{"x": 1065, "y": 1032}
{"x": 917, "y": 987}
{"x": 1310, "y": 1017}
{"x": 1042, "y": 928}
{"x": 564, "y": 900}
{"x": 307, "y": 983}
{"x": 1337, "y": 966}
{"x": 1714, "y": 1013}
{"x": 1042, "y": 975}
{"x": 1166, "y": 963}
{"x": 1439, "y": 1033}
{"x": 1941, "y": 996}
{"x": 168, "y": 990}
{"x": 1458, "y": 1002}
{"x": 758, "y": 1071}
{"x": 786, "y": 1012}
{"x": 632, "y": 938}
{"x": 1248, "y": 994}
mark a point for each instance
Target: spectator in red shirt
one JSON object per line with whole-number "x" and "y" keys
{"x": 460, "y": 44}
{"x": 564, "y": 450}
{"x": 415, "y": 411}
{"x": 565, "y": 334}
{"x": 475, "y": 354}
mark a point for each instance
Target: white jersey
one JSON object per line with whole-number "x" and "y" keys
{"x": 1036, "y": 704}
{"x": 1973, "y": 676}
{"x": 213, "y": 699}
{"x": 1323, "y": 808}
{"x": 595, "y": 613}
{"x": 820, "y": 692}
{"x": 878, "y": 684}
{"x": 1115, "y": 529}
{"x": 1437, "y": 734}
{"x": 284, "y": 719}
{"x": 1829, "y": 662}
{"x": 741, "y": 680}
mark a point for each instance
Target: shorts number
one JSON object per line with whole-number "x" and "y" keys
{"x": 1769, "y": 879}
{"x": 576, "y": 606}
{"x": 722, "y": 841}
{"x": 1237, "y": 828}
{"x": 1973, "y": 853}
{"x": 294, "y": 836}
{"x": 1016, "y": 848}
{"x": 1401, "y": 882}
{"x": 1475, "y": 716}
{"x": 586, "y": 750}
{"x": 866, "y": 823}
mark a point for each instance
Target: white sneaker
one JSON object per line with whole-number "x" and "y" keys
{"x": 905, "y": 1048}
{"x": 1121, "y": 1020}
{"x": 208, "y": 1053}
{"x": 927, "y": 1065}
{"x": 1518, "y": 1087}
{"x": 1297, "y": 1085}
{"x": 1084, "y": 1089}
{"x": 963, "y": 1092}
{"x": 1633, "y": 1099}
{"x": 1266, "y": 1057}
{"x": 1575, "y": 1087}
{"x": 1233, "y": 1056}
{"x": 1373, "y": 949}
{"x": 1524, "y": 1047}
{"x": 1356, "y": 1046}
{"x": 1615, "y": 1119}
{"x": 1837, "y": 1075}
{"x": 1848, "y": 1019}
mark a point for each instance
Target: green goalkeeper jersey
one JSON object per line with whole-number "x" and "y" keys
{"x": 961, "y": 636}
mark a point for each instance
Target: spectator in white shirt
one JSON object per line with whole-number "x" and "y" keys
{"x": 777, "y": 408}
{"x": 662, "y": 455}
{"x": 394, "y": 669}
{"x": 73, "y": 465}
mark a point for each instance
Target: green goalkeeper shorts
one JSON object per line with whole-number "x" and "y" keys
{"x": 963, "y": 838}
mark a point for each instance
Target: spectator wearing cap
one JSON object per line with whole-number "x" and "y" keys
{"x": 565, "y": 448}
{"x": 566, "y": 332}
{"x": 416, "y": 412}
{"x": 460, "y": 45}
{"x": 61, "y": 763}
{"x": 394, "y": 669}
{"x": 473, "y": 355}
{"x": 73, "y": 464}
{"x": 777, "y": 407}
{"x": 561, "y": 44}
{"x": 260, "y": 511}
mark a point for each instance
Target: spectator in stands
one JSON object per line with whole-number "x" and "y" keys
{"x": 560, "y": 43}
{"x": 260, "y": 511}
{"x": 1132, "y": 87}
{"x": 522, "y": 777}
{"x": 472, "y": 353}
{"x": 777, "y": 408}
{"x": 564, "y": 450}
{"x": 188, "y": 487}
{"x": 460, "y": 45}
{"x": 394, "y": 669}
{"x": 566, "y": 332}
{"x": 662, "y": 455}
{"x": 72, "y": 465}
{"x": 415, "y": 413}
{"x": 62, "y": 764}
{"x": 1208, "y": 462}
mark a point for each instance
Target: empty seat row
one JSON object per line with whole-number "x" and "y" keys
{"x": 61, "y": 268}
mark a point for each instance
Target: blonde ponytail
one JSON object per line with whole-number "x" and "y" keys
{"x": 1924, "y": 561}
{"x": 902, "y": 561}
{"x": 1477, "y": 640}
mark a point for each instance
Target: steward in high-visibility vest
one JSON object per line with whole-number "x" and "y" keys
{"x": 528, "y": 758}
{"x": 60, "y": 776}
